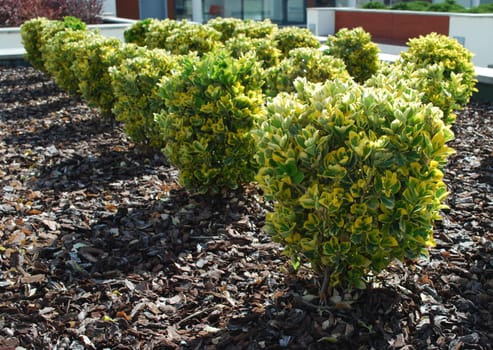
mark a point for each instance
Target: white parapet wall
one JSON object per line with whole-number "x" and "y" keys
{"x": 475, "y": 32}
{"x": 10, "y": 38}
{"x": 321, "y": 20}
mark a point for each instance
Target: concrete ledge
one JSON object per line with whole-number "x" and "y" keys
{"x": 12, "y": 54}
{"x": 484, "y": 75}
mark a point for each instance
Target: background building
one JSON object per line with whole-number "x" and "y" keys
{"x": 283, "y": 12}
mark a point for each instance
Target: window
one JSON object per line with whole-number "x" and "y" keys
{"x": 283, "y": 12}
{"x": 253, "y": 9}
{"x": 213, "y": 8}
{"x": 183, "y": 9}
{"x": 295, "y": 11}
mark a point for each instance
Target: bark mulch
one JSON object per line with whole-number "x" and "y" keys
{"x": 100, "y": 248}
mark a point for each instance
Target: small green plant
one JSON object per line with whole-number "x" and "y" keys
{"x": 412, "y": 6}
{"x": 447, "y": 6}
{"x": 448, "y": 79}
{"x": 289, "y": 38}
{"x": 211, "y": 107}
{"x": 355, "y": 175}
{"x": 263, "y": 48}
{"x": 483, "y": 8}
{"x": 138, "y": 31}
{"x": 309, "y": 63}
{"x": 355, "y": 48}
{"x": 135, "y": 85}
{"x": 374, "y": 5}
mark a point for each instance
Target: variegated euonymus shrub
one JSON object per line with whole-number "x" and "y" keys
{"x": 135, "y": 85}
{"x": 137, "y": 32}
{"x": 36, "y": 32}
{"x": 159, "y": 31}
{"x": 445, "y": 69}
{"x": 257, "y": 29}
{"x": 289, "y": 38}
{"x": 192, "y": 37}
{"x": 355, "y": 48}
{"x": 430, "y": 82}
{"x": 307, "y": 63}
{"x": 59, "y": 54}
{"x": 266, "y": 52}
{"x": 226, "y": 26}
{"x": 33, "y": 41}
{"x": 355, "y": 175}
{"x": 211, "y": 107}
{"x": 93, "y": 58}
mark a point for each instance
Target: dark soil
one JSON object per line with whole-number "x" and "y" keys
{"x": 100, "y": 248}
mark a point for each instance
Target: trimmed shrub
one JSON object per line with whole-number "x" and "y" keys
{"x": 159, "y": 31}
{"x": 428, "y": 82}
{"x": 263, "y": 48}
{"x": 211, "y": 107}
{"x": 135, "y": 85}
{"x": 355, "y": 48}
{"x": 400, "y": 81}
{"x": 355, "y": 174}
{"x": 228, "y": 27}
{"x": 138, "y": 31}
{"x": 289, "y": 38}
{"x": 37, "y": 32}
{"x": 257, "y": 29}
{"x": 59, "y": 53}
{"x": 94, "y": 57}
{"x": 448, "y": 79}
{"x": 192, "y": 37}
{"x": 309, "y": 63}
{"x": 31, "y": 33}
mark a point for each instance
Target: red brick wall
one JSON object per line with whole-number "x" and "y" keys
{"x": 392, "y": 28}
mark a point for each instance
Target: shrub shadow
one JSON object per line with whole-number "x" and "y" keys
{"x": 38, "y": 107}
{"x": 63, "y": 135}
{"x": 98, "y": 172}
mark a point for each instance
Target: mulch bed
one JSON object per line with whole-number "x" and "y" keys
{"x": 101, "y": 248}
